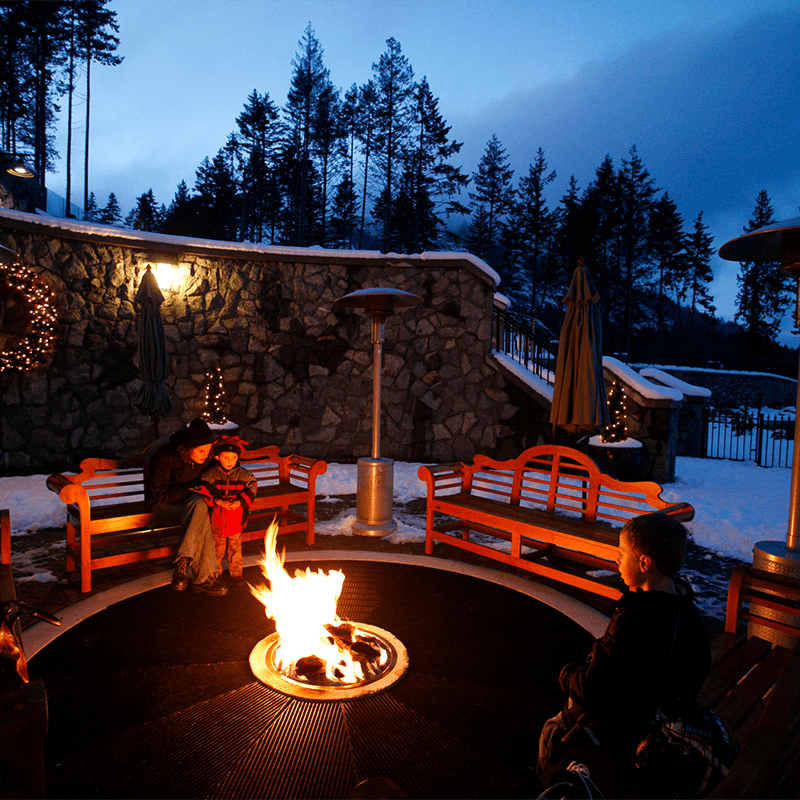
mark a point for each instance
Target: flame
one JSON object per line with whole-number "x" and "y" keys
{"x": 301, "y": 607}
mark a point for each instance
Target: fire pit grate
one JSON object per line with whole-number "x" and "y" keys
{"x": 154, "y": 695}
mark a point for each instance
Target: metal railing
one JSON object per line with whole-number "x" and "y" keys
{"x": 535, "y": 348}
{"x": 749, "y": 434}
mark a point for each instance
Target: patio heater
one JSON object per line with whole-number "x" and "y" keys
{"x": 779, "y": 241}
{"x": 375, "y": 474}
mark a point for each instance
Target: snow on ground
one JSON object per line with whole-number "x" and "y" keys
{"x": 736, "y": 505}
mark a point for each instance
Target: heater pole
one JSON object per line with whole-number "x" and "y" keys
{"x": 377, "y": 342}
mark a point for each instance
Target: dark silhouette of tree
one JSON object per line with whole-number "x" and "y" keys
{"x": 181, "y": 214}
{"x": 364, "y": 124}
{"x": 492, "y": 199}
{"x": 309, "y": 78}
{"x": 145, "y": 215}
{"x": 344, "y": 213}
{"x": 328, "y": 145}
{"x": 529, "y": 240}
{"x": 260, "y": 135}
{"x": 696, "y": 278}
{"x": 91, "y": 211}
{"x": 110, "y": 214}
{"x": 764, "y": 291}
{"x": 394, "y": 81}
{"x": 668, "y": 252}
{"x": 15, "y": 86}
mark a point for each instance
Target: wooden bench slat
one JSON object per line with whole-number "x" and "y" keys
{"x": 106, "y": 509}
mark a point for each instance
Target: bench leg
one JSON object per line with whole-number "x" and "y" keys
{"x": 86, "y": 562}
{"x": 71, "y": 539}
{"x": 429, "y": 531}
{"x": 311, "y": 511}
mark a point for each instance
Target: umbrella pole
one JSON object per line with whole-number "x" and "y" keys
{"x": 154, "y": 418}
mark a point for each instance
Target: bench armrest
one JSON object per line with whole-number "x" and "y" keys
{"x": 70, "y": 492}
{"x": 684, "y": 512}
{"x": 443, "y": 477}
{"x": 303, "y": 469}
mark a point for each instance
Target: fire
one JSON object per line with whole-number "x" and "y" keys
{"x": 304, "y": 610}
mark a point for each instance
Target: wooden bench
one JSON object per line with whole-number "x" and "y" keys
{"x": 551, "y": 499}
{"x": 754, "y": 687}
{"x": 106, "y": 508}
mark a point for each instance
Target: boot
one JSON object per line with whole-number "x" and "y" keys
{"x": 214, "y": 586}
{"x": 180, "y": 578}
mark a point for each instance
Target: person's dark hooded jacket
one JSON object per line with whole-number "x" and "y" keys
{"x": 654, "y": 649}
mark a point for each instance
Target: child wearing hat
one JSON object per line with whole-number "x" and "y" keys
{"x": 229, "y": 490}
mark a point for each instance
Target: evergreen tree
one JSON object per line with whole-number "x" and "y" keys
{"x": 698, "y": 275}
{"x": 364, "y": 124}
{"x": 668, "y": 251}
{"x": 636, "y": 199}
{"x": 110, "y": 214}
{"x": 764, "y": 291}
{"x": 308, "y": 80}
{"x": 180, "y": 217}
{"x": 430, "y": 180}
{"x": 215, "y": 411}
{"x": 327, "y": 145}
{"x": 530, "y": 237}
{"x": 344, "y": 214}
{"x": 492, "y": 200}
{"x": 15, "y": 88}
{"x": 89, "y": 39}
{"x": 394, "y": 84}
{"x": 216, "y": 195}
{"x": 43, "y": 42}
{"x": 91, "y": 210}
{"x": 145, "y": 215}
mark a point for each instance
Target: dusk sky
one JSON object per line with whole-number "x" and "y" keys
{"x": 706, "y": 89}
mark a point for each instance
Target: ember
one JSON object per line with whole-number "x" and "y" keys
{"x": 312, "y": 647}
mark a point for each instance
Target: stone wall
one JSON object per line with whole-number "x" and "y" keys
{"x": 297, "y": 369}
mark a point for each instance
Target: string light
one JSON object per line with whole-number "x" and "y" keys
{"x": 214, "y": 412}
{"x": 37, "y": 302}
{"x": 616, "y": 430}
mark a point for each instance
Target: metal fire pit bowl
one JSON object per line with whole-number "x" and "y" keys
{"x": 262, "y": 662}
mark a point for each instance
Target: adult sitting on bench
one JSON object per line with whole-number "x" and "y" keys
{"x": 174, "y": 470}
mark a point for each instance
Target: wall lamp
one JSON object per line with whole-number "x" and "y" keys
{"x": 17, "y": 167}
{"x": 166, "y": 267}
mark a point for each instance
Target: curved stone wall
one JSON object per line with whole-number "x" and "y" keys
{"x": 297, "y": 370}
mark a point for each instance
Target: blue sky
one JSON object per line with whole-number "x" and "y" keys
{"x": 706, "y": 90}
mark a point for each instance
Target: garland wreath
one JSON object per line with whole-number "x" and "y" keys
{"x": 36, "y": 301}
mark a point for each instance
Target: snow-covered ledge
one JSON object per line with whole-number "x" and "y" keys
{"x": 653, "y": 418}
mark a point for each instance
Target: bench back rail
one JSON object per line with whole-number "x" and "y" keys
{"x": 106, "y": 507}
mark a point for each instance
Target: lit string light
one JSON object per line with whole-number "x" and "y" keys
{"x": 37, "y": 302}
{"x": 616, "y": 430}
{"x": 215, "y": 399}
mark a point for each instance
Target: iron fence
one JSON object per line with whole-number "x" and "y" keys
{"x": 762, "y": 435}
{"x": 535, "y": 348}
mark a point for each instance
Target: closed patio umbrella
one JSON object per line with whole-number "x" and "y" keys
{"x": 579, "y": 395}
{"x": 152, "y": 398}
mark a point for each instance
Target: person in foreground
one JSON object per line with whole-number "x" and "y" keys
{"x": 654, "y": 649}
{"x": 174, "y": 472}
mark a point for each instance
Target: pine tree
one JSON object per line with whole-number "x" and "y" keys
{"x": 364, "y": 123}
{"x": 343, "y": 214}
{"x": 328, "y": 145}
{"x": 308, "y": 80}
{"x": 111, "y": 213}
{"x": 529, "y": 240}
{"x": 394, "y": 84}
{"x": 431, "y": 181}
{"x": 91, "y": 211}
{"x": 179, "y": 218}
{"x": 636, "y": 196}
{"x": 668, "y": 252}
{"x": 260, "y": 135}
{"x": 764, "y": 291}
{"x": 698, "y": 274}
{"x": 492, "y": 200}
{"x": 145, "y": 215}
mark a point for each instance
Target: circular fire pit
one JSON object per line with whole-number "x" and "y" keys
{"x": 264, "y": 667}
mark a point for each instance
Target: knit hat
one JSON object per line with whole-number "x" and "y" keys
{"x": 197, "y": 434}
{"x": 229, "y": 444}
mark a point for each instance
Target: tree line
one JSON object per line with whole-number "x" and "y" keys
{"x": 373, "y": 167}
{"x": 47, "y": 50}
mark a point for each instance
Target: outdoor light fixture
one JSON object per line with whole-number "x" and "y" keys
{"x": 165, "y": 266}
{"x": 779, "y": 241}
{"x": 376, "y": 475}
{"x": 18, "y": 168}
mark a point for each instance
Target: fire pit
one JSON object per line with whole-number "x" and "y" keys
{"x": 313, "y": 654}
